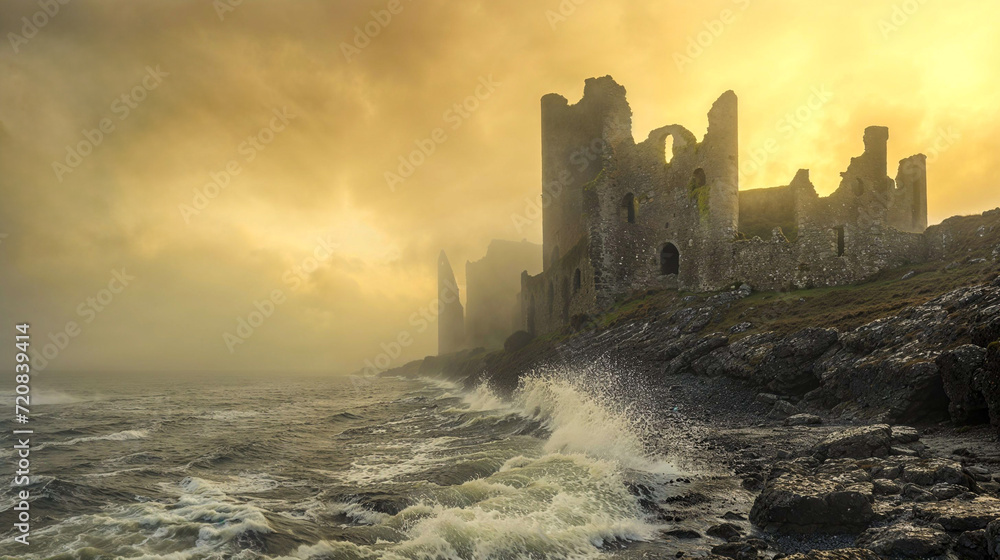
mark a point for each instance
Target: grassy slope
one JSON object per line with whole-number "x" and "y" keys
{"x": 844, "y": 307}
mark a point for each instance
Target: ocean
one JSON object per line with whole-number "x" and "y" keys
{"x": 285, "y": 467}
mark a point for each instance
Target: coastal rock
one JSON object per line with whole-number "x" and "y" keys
{"x": 993, "y": 539}
{"x": 724, "y": 531}
{"x": 961, "y": 369}
{"x": 889, "y": 365}
{"x": 972, "y": 545}
{"x": 860, "y": 442}
{"x": 905, "y": 541}
{"x": 829, "y": 499}
{"x": 960, "y": 515}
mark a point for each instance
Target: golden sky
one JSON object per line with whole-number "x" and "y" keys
{"x": 241, "y": 140}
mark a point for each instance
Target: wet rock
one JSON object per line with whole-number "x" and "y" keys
{"x": 685, "y": 534}
{"x": 517, "y": 341}
{"x": 960, "y": 515}
{"x": 904, "y": 434}
{"x": 839, "y": 554}
{"x": 972, "y": 545}
{"x": 961, "y": 370}
{"x": 797, "y": 499}
{"x": 733, "y": 516}
{"x": 905, "y": 541}
{"x": 803, "y": 420}
{"x": 725, "y": 531}
{"x": 860, "y": 442}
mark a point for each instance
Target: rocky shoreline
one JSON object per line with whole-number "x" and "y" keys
{"x": 850, "y": 423}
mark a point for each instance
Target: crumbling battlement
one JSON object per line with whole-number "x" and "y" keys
{"x": 625, "y": 217}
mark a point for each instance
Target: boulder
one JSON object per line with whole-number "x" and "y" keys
{"x": 993, "y": 539}
{"x": 724, "y": 531}
{"x": 800, "y": 499}
{"x": 972, "y": 545}
{"x": 905, "y": 541}
{"x": 860, "y": 442}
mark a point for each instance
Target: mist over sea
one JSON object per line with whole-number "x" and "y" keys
{"x": 272, "y": 467}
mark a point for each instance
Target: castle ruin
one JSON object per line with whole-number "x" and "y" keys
{"x": 622, "y": 217}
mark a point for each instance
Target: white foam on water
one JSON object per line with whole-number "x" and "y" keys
{"x": 567, "y": 500}
{"x": 124, "y": 435}
{"x": 405, "y": 458}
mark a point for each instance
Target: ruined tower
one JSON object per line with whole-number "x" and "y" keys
{"x": 451, "y": 315}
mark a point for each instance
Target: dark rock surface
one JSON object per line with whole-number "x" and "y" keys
{"x": 905, "y": 540}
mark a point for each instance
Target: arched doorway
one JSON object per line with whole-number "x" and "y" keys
{"x": 670, "y": 259}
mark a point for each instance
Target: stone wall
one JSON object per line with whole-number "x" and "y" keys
{"x": 635, "y": 218}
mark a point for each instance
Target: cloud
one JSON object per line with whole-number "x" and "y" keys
{"x": 324, "y": 174}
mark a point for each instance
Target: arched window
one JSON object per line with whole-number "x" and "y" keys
{"x": 670, "y": 259}
{"x": 628, "y": 208}
{"x": 698, "y": 180}
{"x": 577, "y": 281}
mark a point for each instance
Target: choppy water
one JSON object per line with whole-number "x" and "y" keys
{"x": 327, "y": 469}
